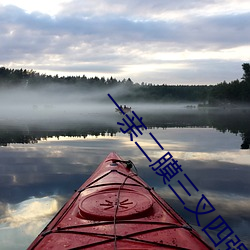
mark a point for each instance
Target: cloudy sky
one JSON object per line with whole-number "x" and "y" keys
{"x": 157, "y": 41}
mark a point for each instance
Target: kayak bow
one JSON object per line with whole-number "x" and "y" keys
{"x": 116, "y": 209}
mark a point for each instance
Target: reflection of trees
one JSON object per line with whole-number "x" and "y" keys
{"x": 234, "y": 121}
{"x": 237, "y": 122}
{"x": 8, "y": 137}
{"x": 34, "y": 134}
{"x": 246, "y": 141}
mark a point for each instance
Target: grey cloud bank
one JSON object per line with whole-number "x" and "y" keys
{"x": 146, "y": 42}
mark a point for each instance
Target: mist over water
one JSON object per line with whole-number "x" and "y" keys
{"x": 56, "y": 103}
{"x": 207, "y": 142}
{"x": 57, "y": 109}
{"x": 28, "y": 115}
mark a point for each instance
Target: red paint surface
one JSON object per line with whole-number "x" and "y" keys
{"x": 143, "y": 219}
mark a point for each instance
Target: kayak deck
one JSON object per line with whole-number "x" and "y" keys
{"x": 116, "y": 209}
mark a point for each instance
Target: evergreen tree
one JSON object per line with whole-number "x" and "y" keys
{"x": 246, "y": 69}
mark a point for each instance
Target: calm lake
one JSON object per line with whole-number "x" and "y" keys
{"x": 46, "y": 154}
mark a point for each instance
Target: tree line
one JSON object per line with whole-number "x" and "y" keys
{"x": 236, "y": 91}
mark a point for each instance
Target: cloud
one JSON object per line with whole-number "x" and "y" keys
{"x": 29, "y": 210}
{"x": 26, "y": 220}
{"x": 94, "y": 38}
{"x": 117, "y": 30}
{"x": 141, "y": 10}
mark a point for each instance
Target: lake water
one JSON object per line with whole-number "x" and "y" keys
{"x": 45, "y": 157}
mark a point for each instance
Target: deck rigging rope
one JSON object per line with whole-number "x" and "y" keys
{"x": 114, "y": 238}
{"x": 129, "y": 164}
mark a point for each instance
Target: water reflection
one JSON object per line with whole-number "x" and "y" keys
{"x": 22, "y": 220}
{"x": 36, "y": 179}
{"x": 234, "y": 121}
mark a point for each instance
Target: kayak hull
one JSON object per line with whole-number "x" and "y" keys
{"x": 116, "y": 209}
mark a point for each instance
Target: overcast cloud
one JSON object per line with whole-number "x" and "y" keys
{"x": 171, "y": 42}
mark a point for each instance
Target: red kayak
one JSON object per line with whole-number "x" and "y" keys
{"x": 116, "y": 209}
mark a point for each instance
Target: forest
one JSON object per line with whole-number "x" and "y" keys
{"x": 224, "y": 93}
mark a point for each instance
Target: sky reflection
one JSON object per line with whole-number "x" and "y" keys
{"x": 50, "y": 170}
{"x": 23, "y": 220}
